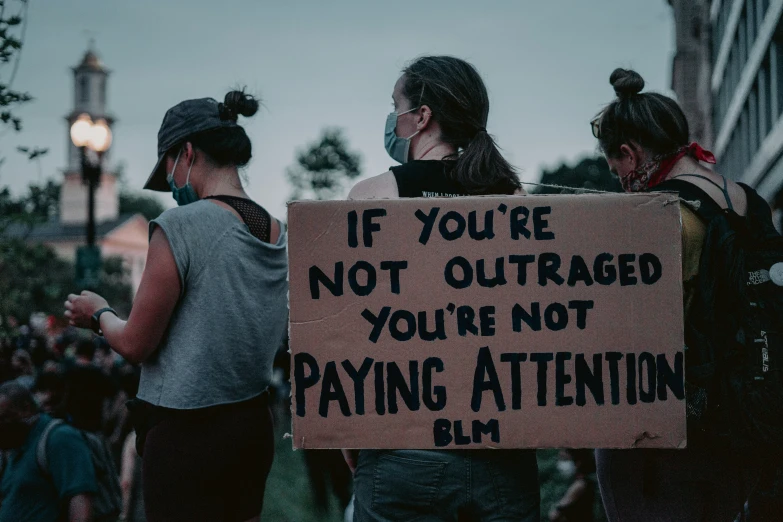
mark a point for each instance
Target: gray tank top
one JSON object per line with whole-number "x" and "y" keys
{"x": 231, "y": 316}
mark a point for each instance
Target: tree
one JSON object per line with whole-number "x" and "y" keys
{"x": 590, "y": 174}
{"x": 136, "y": 203}
{"x": 41, "y": 203}
{"x": 323, "y": 167}
{"x": 34, "y": 279}
{"x": 13, "y": 25}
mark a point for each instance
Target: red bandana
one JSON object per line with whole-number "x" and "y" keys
{"x": 655, "y": 171}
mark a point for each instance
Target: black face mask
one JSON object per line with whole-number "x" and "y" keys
{"x": 13, "y": 434}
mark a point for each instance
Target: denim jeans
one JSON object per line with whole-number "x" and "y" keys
{"x": 435, "y": 486}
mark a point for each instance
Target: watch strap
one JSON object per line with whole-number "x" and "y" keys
{"x": 96, "y": 319}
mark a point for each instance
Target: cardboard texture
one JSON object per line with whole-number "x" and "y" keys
{"x": 487, "y": 322}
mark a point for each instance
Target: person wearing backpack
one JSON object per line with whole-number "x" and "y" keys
{"x": 732, "y": 277}
{"x": 65, "y": 489}
{"x": 437, "y": 131}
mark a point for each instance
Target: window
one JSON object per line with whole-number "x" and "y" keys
{"x": 735, "y": 64}
{"x": 84, "y": 89}
{"x": 102, "y": 90}
{"x": 776, "y": 70}
{"x": 761, "y": 11}
{"x": 742, "y": 38}
{"x": 763, "y": 104}
{"x": 717, "y": 35}
{"x": 754, "y": 142}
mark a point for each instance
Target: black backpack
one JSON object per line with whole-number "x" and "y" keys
{"x": 733, "y": 331}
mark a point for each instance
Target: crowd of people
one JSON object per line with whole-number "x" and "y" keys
{"x": 55, "y": 372}
{"x": 75, "y": 378}
{"x": 210, "y": 316}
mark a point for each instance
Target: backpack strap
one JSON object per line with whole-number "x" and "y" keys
{"x": 706, "y": 207}
{"x": 759, "y": 212}
{"x": 724, "y": 188}
{"x": 40, "y": 452}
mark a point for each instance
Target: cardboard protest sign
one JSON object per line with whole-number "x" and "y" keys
{"x": 508, "y": 322}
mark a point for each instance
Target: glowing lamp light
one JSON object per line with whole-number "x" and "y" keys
{"x": 81, "y": 130}
{"x": 100, "y": 136}
{"x": 96, "y": 136}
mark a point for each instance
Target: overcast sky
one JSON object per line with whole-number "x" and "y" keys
{"x": 546, "y": 65}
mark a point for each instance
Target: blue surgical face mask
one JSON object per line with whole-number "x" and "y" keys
{"x": 186, "y": 193}
{"x": 397, "y": 147}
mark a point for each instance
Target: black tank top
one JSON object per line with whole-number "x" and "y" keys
{"x": 427, "y": 179}
{"x": 254, "y": 215}
{"x": 433, "y": 179}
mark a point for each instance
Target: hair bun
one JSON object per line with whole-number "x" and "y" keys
{"x": 239, "y": 102}
{"x": 626, "y": 82}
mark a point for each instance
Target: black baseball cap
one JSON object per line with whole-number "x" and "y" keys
{"x": 185, "y": 119}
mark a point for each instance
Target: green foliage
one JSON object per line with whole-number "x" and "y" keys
{"x": 41, "y": 203}
{"x": 136, "y": 203}
{"x": 323, "y": 167}
{"x": 115, "y": 285}
{"x": 34, "y": 279}
{"x": 12, "y": 28}
{"x": 288, "y": 496}
{"x": 590, "y": 173}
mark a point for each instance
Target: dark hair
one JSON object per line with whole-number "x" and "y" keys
{"x": 21, "y": 398}
{"x": 652, "y": 120}
{"x": 228, "y": 146}
{"x": 85, "y": 348}
{"x": 454, "y": 91}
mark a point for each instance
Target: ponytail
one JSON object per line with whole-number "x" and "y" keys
{"x": 482, "y": 169}
{"x": 454, "y": 91}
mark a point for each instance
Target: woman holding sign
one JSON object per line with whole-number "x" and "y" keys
{"x": 645, "y": 139}
{"x": 208, "y": 318}
{"x": 437, "y": 131}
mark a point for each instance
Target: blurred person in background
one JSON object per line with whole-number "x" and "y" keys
{"x": 437, "y": 131}
{"x": 117, "y": 423}
{"x": 22, "y": 368}
{"x": 208, "y": 317}
{"x": 49, "y": 390}
{"x": 578, "y": 503}
{"x": 130, "y": 482}
{"x": 87, "y": 389}
{"x": 61, "y": 492}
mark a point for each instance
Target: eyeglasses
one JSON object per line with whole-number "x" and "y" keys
{"x": 595, "y": 124}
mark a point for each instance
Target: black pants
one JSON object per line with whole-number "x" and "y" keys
{"x": 209, "y": 464}
{"x": 651, "y": 485}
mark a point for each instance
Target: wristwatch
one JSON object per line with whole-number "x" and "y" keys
{"x": 96, "y": 319}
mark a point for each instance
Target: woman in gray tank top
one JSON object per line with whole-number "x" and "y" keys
{"x": 438, "y": 132}
{"x": 208, "y": 318}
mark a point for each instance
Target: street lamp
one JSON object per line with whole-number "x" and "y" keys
{"x": 95, "y": 137}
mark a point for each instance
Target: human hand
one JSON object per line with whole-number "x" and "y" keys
{"x": 79, "y": 309}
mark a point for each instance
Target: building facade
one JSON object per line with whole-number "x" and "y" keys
{"x": 741, "y": 43}
{"x": 117, "y": 235}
